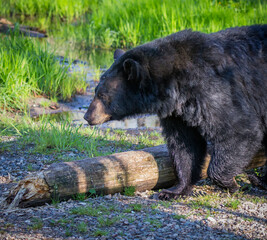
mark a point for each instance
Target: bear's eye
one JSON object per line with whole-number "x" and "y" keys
{"x": 104, "y": 98}
{"x": 100, "y": 95}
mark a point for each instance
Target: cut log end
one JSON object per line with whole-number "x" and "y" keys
{"x": 33, "y": 188}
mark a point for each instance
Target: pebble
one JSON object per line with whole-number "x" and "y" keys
{"x": 212, "y": 220}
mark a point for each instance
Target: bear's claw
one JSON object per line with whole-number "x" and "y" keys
{"x": 174, "y": 193}
{"x": 168, "y": 195}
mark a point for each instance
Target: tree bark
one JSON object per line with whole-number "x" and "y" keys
{"x": 150, "y": 168}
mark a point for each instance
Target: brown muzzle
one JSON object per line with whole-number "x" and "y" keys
{"x": 96, "y": 113}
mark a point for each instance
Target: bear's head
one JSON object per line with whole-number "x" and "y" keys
{"x": 120, "y": 92}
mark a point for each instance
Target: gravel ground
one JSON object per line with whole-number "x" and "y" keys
{"x": 139, "y": 217}
{"x": 217, "y": 215}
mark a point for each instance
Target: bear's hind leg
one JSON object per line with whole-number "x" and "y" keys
{"x": 187, "y": 149}
{"x": 229, "y": 159}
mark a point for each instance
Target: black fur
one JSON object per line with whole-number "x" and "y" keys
{"x": 204, "y": 88}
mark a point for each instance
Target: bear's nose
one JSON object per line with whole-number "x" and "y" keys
{"x": 86, "y": 117}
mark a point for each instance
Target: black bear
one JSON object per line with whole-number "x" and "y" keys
{"x": 204, "y": 88}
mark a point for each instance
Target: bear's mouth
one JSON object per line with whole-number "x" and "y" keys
{"x": 93, "y": 122}
{"x": 96, "y": 113}
{"x": 97, "y": 120}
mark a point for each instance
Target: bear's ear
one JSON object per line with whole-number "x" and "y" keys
{"x": 132, "y": 69}
{"x": 118, "y": 53}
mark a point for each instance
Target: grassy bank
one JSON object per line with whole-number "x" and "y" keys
{"x": 129, "y": 23}
{"x": 66, "y": 10}
{"x": 113, "y": 23}
{"x": 59, "y": 137}
{"x": 27, "y": 68}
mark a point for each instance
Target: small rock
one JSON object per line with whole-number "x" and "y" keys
{"x": 125, "y": 222}
{"x": 211, "y": 220}
{"x": 197, "y": 226}
{"x": 108, "y": 197}
{"x": 82, "y": 203}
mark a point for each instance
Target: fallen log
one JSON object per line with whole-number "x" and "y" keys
{"x": 150, "y": 168}
{"x": 7, "y": 27}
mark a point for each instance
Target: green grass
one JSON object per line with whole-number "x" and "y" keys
{"x": 79, "y": 196}
{"x": 165, "y": 204}
{"x": 27, "y": 69}
{"x": 129, "y": 191}
{"x": 126, "y": 24}
{"x": 66, "y": 10}
{"x": 104, "y": 221}
{"x": 63, "y": 222}
{"x": 127, "y": 210}
{"x": 94, "y": 211}
{"x": 48, "y": 136}
{"x": 136, "y": 207}
{"x": 207, "y": 201}
{"x": 82, "y": 227}
{"x": 100, "y": 232}
{"x": 154, "y": 222}
{"x": 45, "y": 104}
{"x": 179, "y": 216}
{"x": 112, "y": 23}
{"x": 232, "y": 203}
{"x": 59, "y": 137}
{"x": 89, "y": 211}
{"x": 37, "y": 223}
{"x": 68, "y": 233}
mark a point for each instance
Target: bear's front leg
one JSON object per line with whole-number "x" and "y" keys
{"x": 187, "y": 149}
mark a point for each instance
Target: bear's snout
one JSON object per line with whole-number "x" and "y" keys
{"x": 96, "y": 113}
